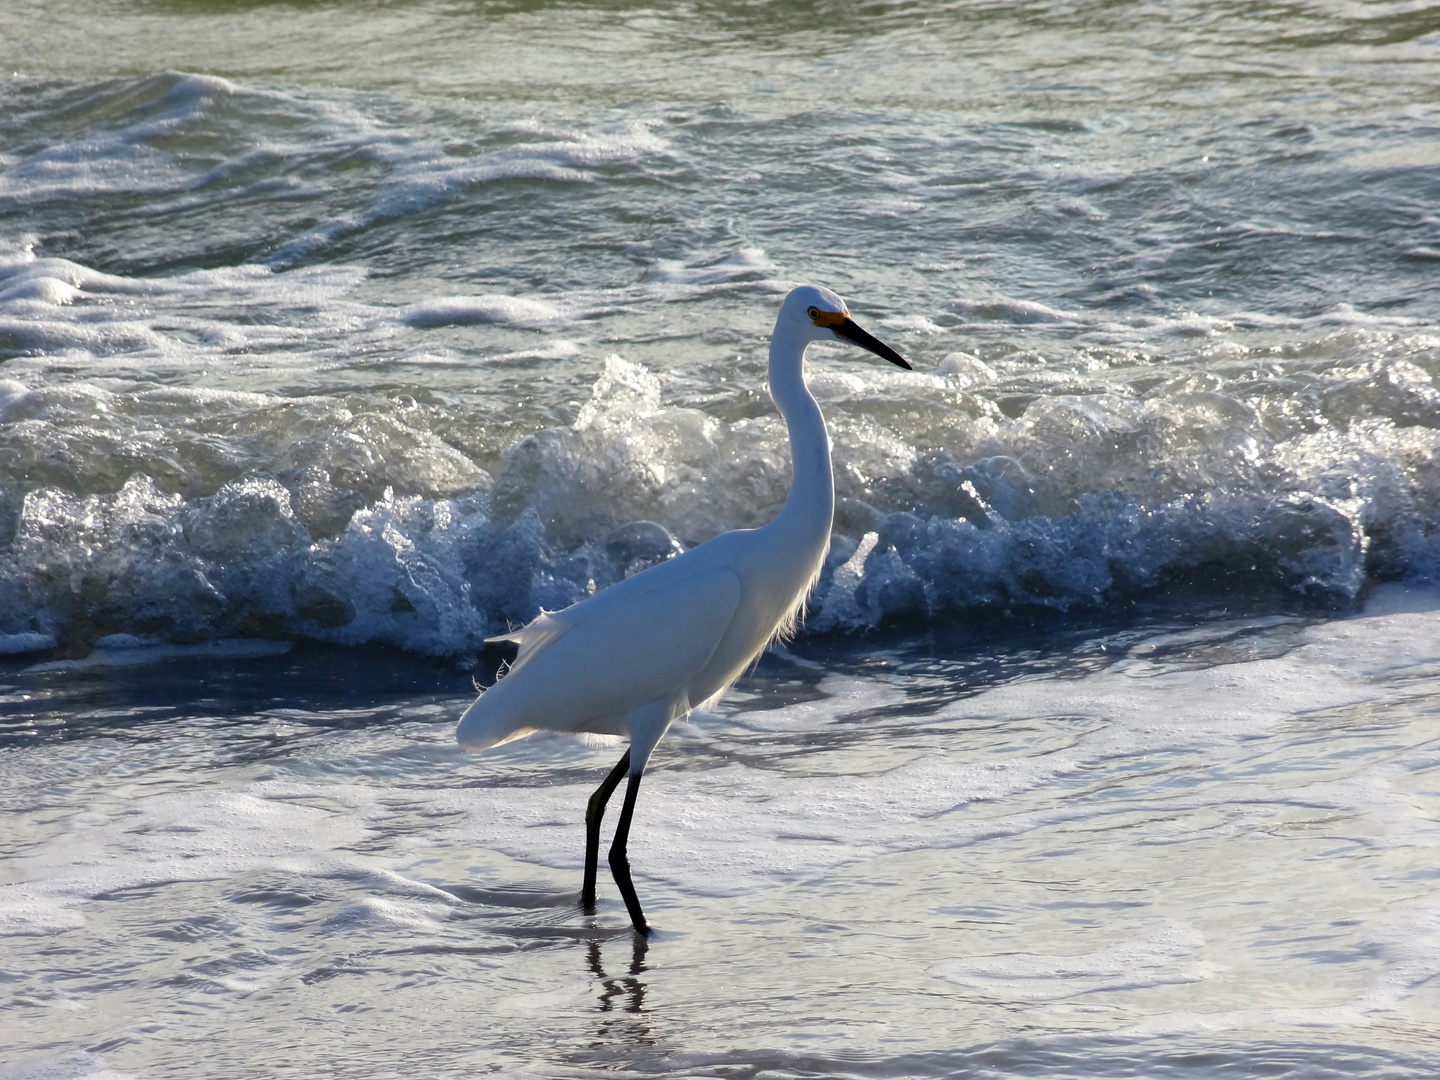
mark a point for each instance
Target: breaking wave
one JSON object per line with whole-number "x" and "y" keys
{"x": 946, "y": 508}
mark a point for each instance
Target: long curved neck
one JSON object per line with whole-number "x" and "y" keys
{"x": 811, "y": 503}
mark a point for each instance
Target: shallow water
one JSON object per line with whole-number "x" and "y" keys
{"x": 334, "y": 339}
{"x": 1156, "y": 849}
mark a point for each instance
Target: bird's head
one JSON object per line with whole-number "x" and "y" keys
{"x": 819, "y": 315}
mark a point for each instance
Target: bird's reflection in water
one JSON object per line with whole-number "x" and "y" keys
{"x": 623, "y": 994}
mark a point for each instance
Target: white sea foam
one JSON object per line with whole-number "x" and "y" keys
{"x": 912, "y": 324}
{"x": 745, "y": 264}
{"x": 1003, "y": 309}
{"x": 1057, "y": 508}
{"x": 552, "y": 350}
{"x": 121, "y": 159}
{"x": 75, "y": 1065}
{"x": 464, "y": 310}
{"x": 112, "y": 322}
{"x": 423, "y": 176}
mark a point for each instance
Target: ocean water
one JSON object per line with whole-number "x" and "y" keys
{"x": 337, "y": 338}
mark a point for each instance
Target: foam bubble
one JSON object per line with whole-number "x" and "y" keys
{"x": 913, "y": 324}
{"x": 1003, "y": 309}
{"x": 465, "y": 310}
{"x": 743, "y": 264}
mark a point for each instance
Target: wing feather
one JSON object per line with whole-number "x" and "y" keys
{"x": 585, "y": 668}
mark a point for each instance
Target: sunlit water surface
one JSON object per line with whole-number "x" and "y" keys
{"x": 335, "y": 338}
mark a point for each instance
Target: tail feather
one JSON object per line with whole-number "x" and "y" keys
{"x": 533, "y": 637}
{"x": 489, "y": 722}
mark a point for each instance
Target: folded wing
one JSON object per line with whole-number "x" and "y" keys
{"x": 587, "y": 667}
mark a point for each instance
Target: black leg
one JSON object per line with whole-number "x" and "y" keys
{"x": 594, "y": 812}
{"x": 620, "y": 865}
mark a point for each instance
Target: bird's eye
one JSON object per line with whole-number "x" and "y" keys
{"x": 814, "y": 314}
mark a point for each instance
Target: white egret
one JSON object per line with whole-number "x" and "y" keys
{"x": 634, "y": 657}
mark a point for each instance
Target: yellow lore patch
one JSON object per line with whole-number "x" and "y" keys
{"x": 827, "y": 319}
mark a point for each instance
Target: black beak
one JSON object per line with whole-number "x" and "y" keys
{"x": 851, "y": 332}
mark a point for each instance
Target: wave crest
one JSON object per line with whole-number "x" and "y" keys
{"x": 1083, "y": 500}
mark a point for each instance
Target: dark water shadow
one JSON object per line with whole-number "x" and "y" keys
{"x": 320, "y": 686}
{"x": 333, "y": 687}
